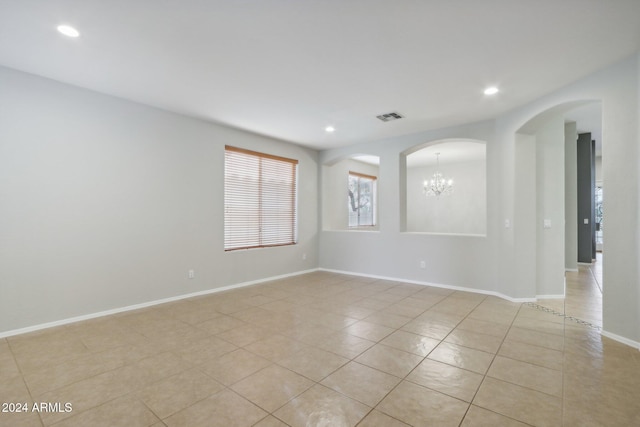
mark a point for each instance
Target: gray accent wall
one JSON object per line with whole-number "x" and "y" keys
{"x": 571, "y": 196}
{"x": 585, "y": 197}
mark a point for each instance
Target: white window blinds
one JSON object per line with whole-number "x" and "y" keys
{"x": 259, "y": 200}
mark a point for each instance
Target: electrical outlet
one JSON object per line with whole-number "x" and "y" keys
{"x": 191, "y": 274}
{"x": 304, "y": 256}
{"x": 423, "y": 264}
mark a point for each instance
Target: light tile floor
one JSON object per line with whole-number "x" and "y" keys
{"x": 324, "y": 350}
{"x": 583, "y": 294}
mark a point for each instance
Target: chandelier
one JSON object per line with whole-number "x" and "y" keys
{"x": 438, "y": 184}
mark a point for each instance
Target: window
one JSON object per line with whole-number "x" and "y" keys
{"x": 362, "y": 200}
{"x": 259, "y": 200}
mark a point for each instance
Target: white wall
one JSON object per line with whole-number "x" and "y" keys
{"x": 463, "y": 212}
{"x": 335, "y": 211}
{"x": 571, "y": 196}
{"x": 526, "y": 214}
{"x": 550, "y": 207}
{"x": 598, "y": 169}
{"x": 621, "y": 140}
{"x": 452, "y": 260}
{"x": 637, "y": 207}
{"x": 105, "y": 203}
{"x": 617, "y": 88}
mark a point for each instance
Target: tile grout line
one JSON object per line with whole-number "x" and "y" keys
{"x": 401, "y": 379}
{"x": 272, "y": 413}
{"x": 409, "y": 373}
{"x": 443, "y": 340}
{"x": 22, "y": 376}
{"x": 350, "y": 361}
{"x": 484, "y": 376}
{"x": 373, "y": 408}
{"x": 595, "y": 278}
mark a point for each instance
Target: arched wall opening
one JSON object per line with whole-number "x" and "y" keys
{"x": 546, "y": 194}
{"x": 350, "y": 196}
{"x": 464, "y": 210}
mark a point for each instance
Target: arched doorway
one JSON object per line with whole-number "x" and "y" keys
{"x": 555, "y": 174}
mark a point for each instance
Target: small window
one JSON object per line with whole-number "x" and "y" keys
{"x": 259, "y": 200}
{"x": 362, "y": 200}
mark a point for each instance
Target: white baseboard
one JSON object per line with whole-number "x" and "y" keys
{"x": 549, "y": 296}
{"x": 623, "y": 340}
{"x": 573, "y": 270}
{"x": 585, "y": 263}
{"x": 145, "y": 304}
{"x": 435, "y": 285}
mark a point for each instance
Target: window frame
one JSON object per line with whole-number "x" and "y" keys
{"x": 261, "y": 229}
{"x": 374, "y": 200}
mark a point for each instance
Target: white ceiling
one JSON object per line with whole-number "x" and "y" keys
{"x": 450, "y": 152}
{"x": 287, "y": 68}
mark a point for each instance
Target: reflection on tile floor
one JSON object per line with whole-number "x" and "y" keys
{"x": 325, "y": 349}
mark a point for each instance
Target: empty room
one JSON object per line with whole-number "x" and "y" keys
{"x": 319, "y": 213}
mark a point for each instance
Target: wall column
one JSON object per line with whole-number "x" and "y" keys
{"x": 585, "y": 189}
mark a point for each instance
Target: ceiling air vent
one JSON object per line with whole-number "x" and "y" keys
{"x": 389, "y": 117}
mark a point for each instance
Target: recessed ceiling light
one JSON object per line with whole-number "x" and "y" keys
{"x": 491, "y": 90}
{"x": 68, "y": 31}
{"x": 330, "y": 129}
